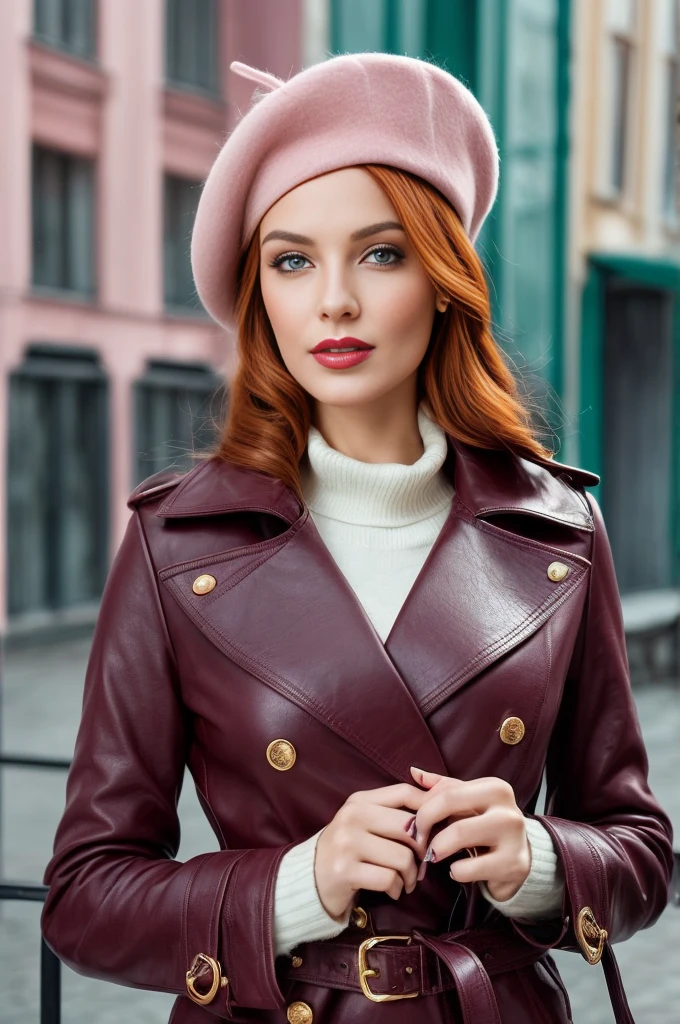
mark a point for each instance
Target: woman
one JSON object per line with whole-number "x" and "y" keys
{"x": 367, "y": 623}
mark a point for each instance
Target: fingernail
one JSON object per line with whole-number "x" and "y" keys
{"x": 409, "y": 825}
{"x": 430, "y": 856}
{"x": 421, "y": 870}
{"x": 414, "y": 831}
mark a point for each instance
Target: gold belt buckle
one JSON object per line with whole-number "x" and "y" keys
{"x": 367, "y": 972}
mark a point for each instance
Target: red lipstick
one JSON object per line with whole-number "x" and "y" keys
{"x": 357, "y": 351}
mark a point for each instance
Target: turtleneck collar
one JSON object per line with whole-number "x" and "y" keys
{"x": 378, "y": 494}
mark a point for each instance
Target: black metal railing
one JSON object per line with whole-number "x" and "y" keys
{"x": 50, "y": 965}
{"x": 29, "y": 892}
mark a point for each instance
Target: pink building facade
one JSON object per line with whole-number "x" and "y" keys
{"x": 107, "y": 128}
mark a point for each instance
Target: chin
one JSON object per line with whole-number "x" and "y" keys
{"x": 347, "y": 395}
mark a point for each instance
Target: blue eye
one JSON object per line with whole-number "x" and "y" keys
{"x": 286, "y": 258}
{"x": 386, "y": 250}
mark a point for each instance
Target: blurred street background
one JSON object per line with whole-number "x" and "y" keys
{"x": 111, "y": 113}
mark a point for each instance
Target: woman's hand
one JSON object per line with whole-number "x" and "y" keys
{"x": 483, "y": 813}
{"x": 367, "y": 846}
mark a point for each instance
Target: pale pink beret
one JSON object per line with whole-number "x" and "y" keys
{"x": 351, "y": 109}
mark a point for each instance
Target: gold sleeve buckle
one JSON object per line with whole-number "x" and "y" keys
{"x": 367, "y": 972}
{"x": 591, "y": 938}
{"x": 201, "y": 964}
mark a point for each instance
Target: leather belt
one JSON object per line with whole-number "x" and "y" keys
{"x": 388, "y": 967}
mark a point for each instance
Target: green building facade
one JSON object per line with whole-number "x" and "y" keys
{"x": 513, "y": 55}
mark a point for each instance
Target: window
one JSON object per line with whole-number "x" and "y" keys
{"x": 621, "y": 24}
{"x": 57, "y": 480}
{"x": 66, "y": 24}
{"x": 670, "y": 45}
{"x": 180, "y": 202}
{"x": 63, "y": 221}
{"x": 175, "y": 411}
{"x": 191, "y": 44}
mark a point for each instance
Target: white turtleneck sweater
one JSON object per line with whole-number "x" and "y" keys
{"x": 379, "y": 521}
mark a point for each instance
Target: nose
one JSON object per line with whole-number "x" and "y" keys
{"x": 338, "y": 300}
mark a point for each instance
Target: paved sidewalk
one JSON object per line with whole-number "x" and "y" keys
{"x": 41, "y": 708}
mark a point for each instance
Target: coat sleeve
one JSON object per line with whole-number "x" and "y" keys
{"x": 119, "y": 906}
{"x": 612, "y": 837}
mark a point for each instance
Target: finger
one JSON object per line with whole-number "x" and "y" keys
{"x": 427, "y": 779}
{"x": 440, "y": 808}
{"x": 495, "y": 829}
{"x": 373, "y": 878}
{"x": 386, "y": 853}
{"x": 401, "y": 794}
{"x": 388, "y": 822}
{"x": 454, "y": 798}
{"x": 487, "y": 867}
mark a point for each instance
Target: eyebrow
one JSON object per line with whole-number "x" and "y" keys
{"x": 356, "y": 236}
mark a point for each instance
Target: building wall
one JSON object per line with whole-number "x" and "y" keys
{"x": 117, "y": 111}
{"x": 625, "y": 237}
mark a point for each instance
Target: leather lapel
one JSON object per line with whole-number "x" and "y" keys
{"x": 481, "y": 592}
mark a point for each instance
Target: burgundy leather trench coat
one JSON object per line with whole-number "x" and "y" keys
{"x": 282, "y": 649}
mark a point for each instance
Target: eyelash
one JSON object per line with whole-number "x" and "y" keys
{"x": 276, "y": 263}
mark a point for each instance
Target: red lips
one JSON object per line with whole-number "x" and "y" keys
{"x": 323, "y": 346}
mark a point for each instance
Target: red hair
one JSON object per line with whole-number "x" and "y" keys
{"x": 470, "y": 390}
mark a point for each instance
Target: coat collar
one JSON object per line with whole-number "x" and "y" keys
{"x": 486, "y": 482}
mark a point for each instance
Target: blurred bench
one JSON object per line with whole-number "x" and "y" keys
{"x": 651, "y": 620}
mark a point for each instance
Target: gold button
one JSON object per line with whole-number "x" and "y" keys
{"x": 359, "y": 917}
{"x": 299, "y": 1013}
{"x": 512, "y": 731}
{"x": 204, "y": 584}
{"x": 557, "y": 571}
{"x": 297, "y": 961}
{"x": 281, "y": 755}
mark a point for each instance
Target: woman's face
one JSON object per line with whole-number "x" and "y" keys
{"x": 335, "y": 264}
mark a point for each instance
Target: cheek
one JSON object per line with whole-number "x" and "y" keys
{"x": 285, "y": 314}
{"x": 410, "y": 309}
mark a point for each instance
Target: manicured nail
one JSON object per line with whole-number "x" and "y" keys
{"x": 430, "y": 856}
{"x": 409, "y": 825}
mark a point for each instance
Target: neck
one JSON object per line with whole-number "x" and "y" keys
{"x": 377, "y": 433}
{"x": 380, "y": 494}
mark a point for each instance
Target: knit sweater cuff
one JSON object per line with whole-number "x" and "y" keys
{"x": 540, "y": 896}
{"x": 299, "y": 914}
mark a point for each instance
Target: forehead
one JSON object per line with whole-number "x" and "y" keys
{"x": 339, "y": 200}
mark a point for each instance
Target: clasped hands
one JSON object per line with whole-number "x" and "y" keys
{"x": 482, "y": 813}
{"x": 374, "y": 843}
